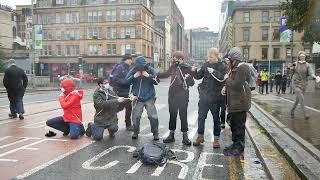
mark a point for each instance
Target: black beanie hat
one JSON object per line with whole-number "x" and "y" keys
{"x": 126, "y": 56}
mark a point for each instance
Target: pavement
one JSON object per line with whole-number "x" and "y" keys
{"x": 25, "y": 153}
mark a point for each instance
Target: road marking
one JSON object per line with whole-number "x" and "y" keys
{"x": 232, "y": 168}
{"x": 32, "y": 126}
{"x": 8, "y": 160}
{"x": 202, "y": 164}
{"x": 36, "y": 169}
{"x": 135, "y": 167}
{"x": 87, "y": 164}
{"x": 305, "y": 106}
{"x": 17, "y": 142}
{"x": 3, "y": 138}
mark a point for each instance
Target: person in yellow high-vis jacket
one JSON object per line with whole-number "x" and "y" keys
{"x": 264, "y": 78}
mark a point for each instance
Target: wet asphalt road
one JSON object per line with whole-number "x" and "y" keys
{"x": 112, "y": 157}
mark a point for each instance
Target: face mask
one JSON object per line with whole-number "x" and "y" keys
{"x": 62, "y": 90}
{"x": 106, "y": 87}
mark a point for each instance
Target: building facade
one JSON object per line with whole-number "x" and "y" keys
{"x": 100, "y": 32}
{"x": 254, "y": 27}
{"x": 201, "y": 40}
{"x": 8, "y": 28}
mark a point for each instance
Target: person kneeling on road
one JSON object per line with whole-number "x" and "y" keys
{"x": 106, "y": 103}
{"x": 71, "y": 121}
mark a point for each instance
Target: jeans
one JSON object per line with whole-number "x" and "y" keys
{"x": 75, "y": 129}
{"x": 238, "y": 126}
{"x": 178, "y": 103}
{"x": 265, "y": 84}
{"x": 299, "y": 99}
{"x": 223, "y": 113}
{"x": 204, "y": 107}
{"x": 97, "y": 132}
{"x": 152, "y": 115}
{"x": 16, "y": 104}
{"x": 127, "y": 105}
{"x": 278, "y": 88}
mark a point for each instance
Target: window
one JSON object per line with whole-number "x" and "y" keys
{"x": 59, "y": 1}
{"x": 58, "y": 50}
{"x": 58, "y": 18}
{"x": 72, "y": 2}
{"x": 111, "y": 15}
{"x": 128, "y": 49}
{"x": 246, "y": 35}
{"x": 288, "y": 52}
{"x": 111, "y": 49}
{"x": 265, "y": 16}
{"x": 111, "y": 33}
{"x": 264, "y": 53}
{"x": 276, "y": 53}
{"x": 246, "y": 17}
{"x": 44, "y": 19}
{"x": 94, "y": 33}
{"x": 46, "y": 50}
{"x": 128, "y": 32}
{"x": 95, "y": 49}
{"x": 72, "y": 17}
{"x": 276, "y": 35}
{"x": 246, "y": 53}
{"x": 72, "y": 34}
{"x": 127, "y": 14}
{"x": 265, "y": 35}
{"x": 58, "y": 34}
{"x": 47, "y": 34}
{"x": 72, "y": 50}
{"x": 95, "y": 16}
{"x": 277, "y": 15}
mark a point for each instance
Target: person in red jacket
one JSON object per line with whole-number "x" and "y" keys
{"x": 71, "y": 121}
{"x": 260, "y": 84}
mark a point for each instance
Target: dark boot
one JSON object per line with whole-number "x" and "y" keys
{"x": 186, "y": 140}
{"x": 21, "y": 117}
{"x": 170, "y": 138}
{"x": 292, "y": 113}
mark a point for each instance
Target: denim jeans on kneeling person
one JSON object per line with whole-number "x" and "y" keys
{"x": 75, "y": 129}
{"x": 97, "y": 131}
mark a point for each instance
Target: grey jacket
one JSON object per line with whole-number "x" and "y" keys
{"x": 301, "y": 72}
{"x": 106, "y": 105}
{"x": 238, "y": 89}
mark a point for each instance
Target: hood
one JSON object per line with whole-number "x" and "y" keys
{"x": 235, "y": 54}
{"x": 68, "y": 85}
{"x": 140, "y": 63}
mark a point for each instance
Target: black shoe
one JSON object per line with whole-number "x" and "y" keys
{"x": 170, "y": 138}
{"x": 88, "y": 131}
{"x": 65, "y": 134}
{"x": 223, "y": 126}
{"x": 292, "y": 113}
{"x": 135, "y": 136}
{"x": 156, "y": 137}
{"x": 50, "y": 134}
{"x": 12, "y": 116}
{"x": 186, "y": 140}
{"x": 21, "y": 117}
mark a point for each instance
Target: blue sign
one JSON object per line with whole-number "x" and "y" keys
{"x": 42, "y": 66}
{"x": 283, "y": 24}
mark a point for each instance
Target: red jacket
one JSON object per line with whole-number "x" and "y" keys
{"x": 70, "y": 101}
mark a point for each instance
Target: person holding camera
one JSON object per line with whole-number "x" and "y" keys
{"x": 143, "y": 78}
{"x": 178, "y": 98}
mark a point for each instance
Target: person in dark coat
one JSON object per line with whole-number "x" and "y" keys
{"x": 278, "y": 81}
{"x": 210, "y": 98}
{"x": 284, "y": 84}
{"x": 106, "y": 103}
{"x": 122, "y": 87}
{"x": 238, "y": 94}
{"x": 15, "y": 81}
{"x": 178, "y": 98}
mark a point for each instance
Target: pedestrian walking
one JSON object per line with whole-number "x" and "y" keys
{"x": 260, "y": 84}
{"x": 142, "y": 77}
{"x": 284, "y": 84}
{"x": 301, "y": 71}
{"x": 238, "y": 94}
{"x": 264, "y": 78}
{"x": 121, "y": 87}
{"x": 106, "y": 103}
{"x": 272, "y": 81}
{"x": 15, "y": 81}
{"x": 210, "y": 98}
{"x": 70, "y": 102}
{"x": 278, "y": 81}
{"x": 178, "y": 95}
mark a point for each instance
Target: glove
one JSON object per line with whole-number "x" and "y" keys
{"x": 120, "y": 99}
{"x": 137, "y": 74}
{"x": 133, "y": 98}
{"x": 317, "y": 79}
{"x": 226, "y": 76}
{"x": 145, "y": 74}
{"x": 210, "y": 70}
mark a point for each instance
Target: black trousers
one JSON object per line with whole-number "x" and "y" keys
{"x": 178, "y": 102}
{"x": 238, "y": 121}
{"x": 265, "y": 84}
{"x": 128, "y": 106}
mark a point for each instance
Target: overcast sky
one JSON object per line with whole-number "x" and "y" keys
{"x": 199, "y": 13}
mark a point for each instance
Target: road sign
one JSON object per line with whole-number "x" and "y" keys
{"x": 42, "y": 66}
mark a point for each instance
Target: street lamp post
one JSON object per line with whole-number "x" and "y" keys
{"x": 270, "y": 46}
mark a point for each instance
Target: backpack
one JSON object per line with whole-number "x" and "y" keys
{"x": 154, "y": 154}
{"x": 111, "y": 81}
{"x": 253, "y": 76}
